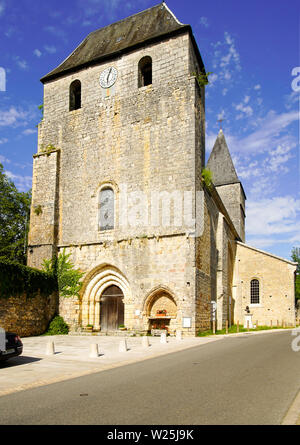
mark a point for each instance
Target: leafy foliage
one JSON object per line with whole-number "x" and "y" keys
{"x": 57, "y": 327}
{"x": 296, "y": 258}
{"x": 206, "y": 176}
{"x": 14, "y": 212}
{"x": 41, "y": 108}
{"x": 202, "y": 78}
{"x": 68, "y": 278}
{"x": 16, "y": 279}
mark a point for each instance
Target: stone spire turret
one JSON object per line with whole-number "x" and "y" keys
{"x": 227, "y": 183}
{"x": 220, "y": 163}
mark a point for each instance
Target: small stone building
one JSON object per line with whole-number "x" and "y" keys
{"x": 117, "y": 183}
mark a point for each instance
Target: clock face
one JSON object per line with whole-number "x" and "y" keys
{"x": 108, "y": 77}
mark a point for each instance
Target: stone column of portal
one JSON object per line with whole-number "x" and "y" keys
{"x": 97, "y": 315}
{"x": 91, "y": 313}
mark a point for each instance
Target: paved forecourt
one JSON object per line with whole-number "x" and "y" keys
{"x": 72, "y": 358}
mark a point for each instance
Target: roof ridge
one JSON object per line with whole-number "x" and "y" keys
{"x": 125, "y": 18}
{"x": 267, "y": 253}
{"x": 144, "y": 26}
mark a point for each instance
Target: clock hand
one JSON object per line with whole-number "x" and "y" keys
{"x": 108, "y": 75}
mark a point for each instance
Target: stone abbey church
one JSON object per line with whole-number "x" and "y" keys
{"x": 121, "y": 144}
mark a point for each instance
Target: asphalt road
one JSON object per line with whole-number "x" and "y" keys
{"x": 249, "y": 379}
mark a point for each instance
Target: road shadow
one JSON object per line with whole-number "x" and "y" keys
{"x": 17, "y": 361}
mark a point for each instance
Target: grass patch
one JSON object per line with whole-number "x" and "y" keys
{"x": 233, "y": 330}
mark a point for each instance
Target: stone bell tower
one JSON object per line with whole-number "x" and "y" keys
{"x": 123, "y": 111}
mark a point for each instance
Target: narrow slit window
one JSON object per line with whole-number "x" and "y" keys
{"x": 106, "y": 214}
{"x": 75, "y": 95}
{"x": 254, "y": 287}
{"x": 145, "y": 71}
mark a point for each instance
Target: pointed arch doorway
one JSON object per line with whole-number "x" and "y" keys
{"x": 111, "y": 308}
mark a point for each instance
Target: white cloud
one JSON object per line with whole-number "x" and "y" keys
{"x": 246, "y": 111}
{"x": 21, "y": 63}
{"x": 221, "y": 115}
{"x": 51, "y": 49}
{"x": 23, "y": 183}
{"x": 96, "y": 9}
{"x": 37, "y": 53}
{"x": 269, "y": 218}
{"x": 226, "y": 60}
{"x": 2, "y": 8}
{"x": 291, "y": 99}
{"x": 57, "y": 32}
{"x": 14, "y": 117}
{"x": 268, "y": 135}
{"x": 86, "y": 23}
{"x": 3, "y": 159}
{"x": 29, "y": 131}
{"x": 212, "y": 79}
{"x": 263, "y": 156}
{"x": 3, "y": 141}
{"x": 204, "y": 22}
{"x": 232, "y": 55}
{"x": 257, "y": 87}
{"x": 11, "y": 30}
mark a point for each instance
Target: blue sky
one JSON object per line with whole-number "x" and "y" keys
{"x": 251, "y": 48}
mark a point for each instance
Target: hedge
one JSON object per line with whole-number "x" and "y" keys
{"x": 17, "y": 279}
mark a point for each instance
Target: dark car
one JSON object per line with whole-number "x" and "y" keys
{"x": 14, "y": 346}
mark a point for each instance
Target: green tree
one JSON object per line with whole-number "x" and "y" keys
{"x": 14, "y": 218}
{"x": 296, "y": 258}
{"x": 68, "y": 278}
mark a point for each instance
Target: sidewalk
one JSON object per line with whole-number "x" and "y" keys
{"x": 71, "y": 359}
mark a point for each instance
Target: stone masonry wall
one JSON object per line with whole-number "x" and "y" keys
{"x": 27, "y": 316}
{"x": 43, "y": 215}
{"x": 146, "y": 264}
{"x": 276, "y": 283}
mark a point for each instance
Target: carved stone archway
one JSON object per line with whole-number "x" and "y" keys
{"x": 161, "y": 310}
{"x": 95, "y": 283}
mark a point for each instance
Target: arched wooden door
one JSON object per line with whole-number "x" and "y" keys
{"x": 111, "y": 309}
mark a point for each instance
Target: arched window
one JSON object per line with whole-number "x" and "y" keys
{"x": 145, "y": 71}
{"x": 106, "y": 214}
{"x": 75, "y": 95}
{"x": 254, "y": 288}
